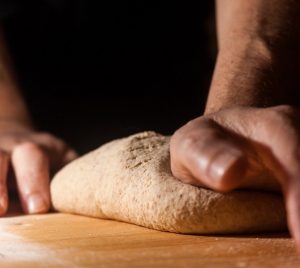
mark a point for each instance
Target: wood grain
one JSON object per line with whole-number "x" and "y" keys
{"x": 62, "y": 240}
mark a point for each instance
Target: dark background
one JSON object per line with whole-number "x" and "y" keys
{"x": 92, "y": 72}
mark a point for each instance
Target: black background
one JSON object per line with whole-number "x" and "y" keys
{"x": 92, "y": 72}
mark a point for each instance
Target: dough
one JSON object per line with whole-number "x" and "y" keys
{"x": 130, "y": 180}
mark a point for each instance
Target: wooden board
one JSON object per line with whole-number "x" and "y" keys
{"x": 62, "y": 240}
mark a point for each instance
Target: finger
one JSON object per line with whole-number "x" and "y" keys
{"x": 205, "y": 154}
{"x": 3, "y": 184}
{"x": 276, "y": 137}
{"x": 288, "y": 173}
{"x": 31, "y": 168}
{"x": 293, "y": 207}
{"x": 58, "y": 151}
{"x": 69, "y": 156}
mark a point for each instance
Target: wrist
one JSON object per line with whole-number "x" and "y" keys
{"x": 243, "y": 75}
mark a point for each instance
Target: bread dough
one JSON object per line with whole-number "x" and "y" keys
{"x": 130, "y": 180}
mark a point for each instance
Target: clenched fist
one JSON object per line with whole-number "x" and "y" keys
{"x": 243, "y": 148}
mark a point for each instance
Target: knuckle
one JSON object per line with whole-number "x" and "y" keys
{"x": 200, "y": 141}
{"x": 279, "y": 115}
{"x": 284, "y": 121}
{"x": 188, "y": 143}
{"x": 48, "y": 137}
{"x": 50, "y": 144}
{"x": 285, "y": 109}
{"x": 282, "y": 112}
{"x": 28, "y": 147}
{"x": 195, "y": 131}
{"x": 191, "y": 125}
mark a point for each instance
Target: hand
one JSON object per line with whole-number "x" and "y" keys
{"x": 243, "y": 148}
{"x": 32, "y": 156}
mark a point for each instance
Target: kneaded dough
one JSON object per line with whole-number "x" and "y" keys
{"x": 130, "y": 180}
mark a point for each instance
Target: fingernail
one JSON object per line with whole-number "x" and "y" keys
{"x": 222, "y": 162}
{"x": 36, "y": 204}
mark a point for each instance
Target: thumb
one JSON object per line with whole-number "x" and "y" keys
{"x": 204, "y": 154}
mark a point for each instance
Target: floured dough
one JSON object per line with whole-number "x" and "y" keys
{"x": 130, "y": 180}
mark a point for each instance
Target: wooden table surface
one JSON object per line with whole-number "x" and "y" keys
{"x": 62, "y": 240}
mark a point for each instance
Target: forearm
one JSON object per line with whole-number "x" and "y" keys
{"x": 12, "y": 104}
{"x": 258, "y": 49}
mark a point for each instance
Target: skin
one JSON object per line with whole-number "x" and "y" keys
{"x": 244, "y": 132}
{"x": 236, "y": 148}
{"x": 31, "y": 155}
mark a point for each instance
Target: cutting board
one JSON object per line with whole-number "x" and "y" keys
{"x": 62, "y": 240}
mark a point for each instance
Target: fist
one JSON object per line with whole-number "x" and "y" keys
{"x": 243, "y": 148}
